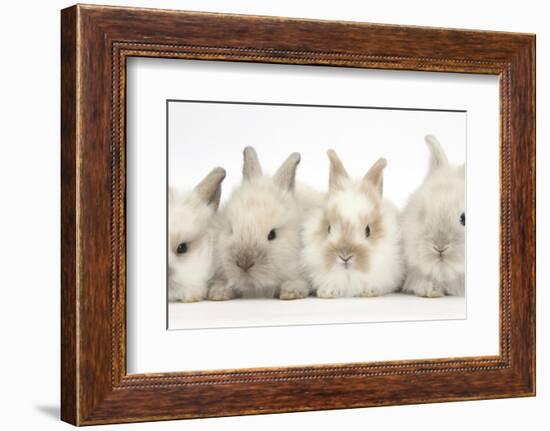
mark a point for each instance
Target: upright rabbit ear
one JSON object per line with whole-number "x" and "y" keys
{"x": 338, "y": 173}
{"x": 438, "y": 158}
{"x": 251, "y": 164}
{"x": 209, "y": 190}
{"x": 285, "y": 177}
{"x": 375, "y": 175}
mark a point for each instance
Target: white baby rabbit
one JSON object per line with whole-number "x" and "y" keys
{"x": 352, "y": 245}
{"x": 190, "y": 254}
{"x": 258, "y": 235}
{"x": 434, "y": 229}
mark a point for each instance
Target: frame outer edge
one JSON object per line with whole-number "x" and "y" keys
{"x": 69, "y": 201}
{"x": 531, "y": 83}
{"x": 533, "y": 54}
{"x": 523, "y": 183}
{"x": 532, "y": 101}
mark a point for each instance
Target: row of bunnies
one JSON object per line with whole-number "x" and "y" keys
{"x": 277, "y": 238}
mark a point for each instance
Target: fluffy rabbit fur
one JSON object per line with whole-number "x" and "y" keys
{"x": 434, "y": 229}
{"x": 258, "y": 235}
{"x": 190, "y": 254}
{"x": 352, "y": 245}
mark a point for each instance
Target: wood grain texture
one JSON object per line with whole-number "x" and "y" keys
{"x": 69, "y": 331}
{"x": 96, "y": 41}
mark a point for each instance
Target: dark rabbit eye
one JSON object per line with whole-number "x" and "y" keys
{"x": 182, "y": 248}
{"x": 328, "y": 230}
{"x": 272, "y": 235}
{"x": 367, "y": 231}
{"x": 463, "y": 219}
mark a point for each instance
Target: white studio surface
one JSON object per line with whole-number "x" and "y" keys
{"x": 151, "y": 82}
{"x": 313, "y": 311}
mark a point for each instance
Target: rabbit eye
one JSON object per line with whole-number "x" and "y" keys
{"x": 367, "y": 231}
{"x": 182, "y": 248}
{"x": 463, "y": 219}
{"x": 328, "y": 230}
{"x": 272, "y": 235}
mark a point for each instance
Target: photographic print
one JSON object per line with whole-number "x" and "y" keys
{"x": 286, "y": 214}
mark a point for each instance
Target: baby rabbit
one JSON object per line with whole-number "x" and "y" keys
{"x": 258, "y": 235}
{"x": 433, "y": 229}
{"x": 352, "y": 245}
{"x": 190, "y": 254}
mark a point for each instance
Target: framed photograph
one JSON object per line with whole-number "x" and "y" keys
{"x": 265, "y": 214}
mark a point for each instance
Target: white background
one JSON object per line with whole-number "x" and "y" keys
{"x": 205, "y": 135}
{"x": 29, "y": 172}
{"x": 396, "y": 134}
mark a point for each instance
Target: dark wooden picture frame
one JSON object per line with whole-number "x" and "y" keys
{"x": 96, "y": 41}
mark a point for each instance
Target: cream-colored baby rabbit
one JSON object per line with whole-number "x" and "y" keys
{"x": 352, "y": 245}
{"x": 258, "y": 235}
{"x": 190, "y": 254}
{"x": 434, "y": 229}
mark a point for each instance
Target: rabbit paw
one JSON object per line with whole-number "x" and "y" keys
{"x": 369, "y": 292}
{"x": 178, "y": 293}
{"x": 294, "y": 289}
{"x": 221, "y": 292}
{"x": 428, "y": 290}
{"x": 328, "y": 292}
{"x": 422, "y": 286}
{"x": 194, "y": 296}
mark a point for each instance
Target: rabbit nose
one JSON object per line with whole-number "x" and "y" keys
{"x": 440, "y": 250}
{"x": 345, "y": 258}
{"x": 245, "y": 264}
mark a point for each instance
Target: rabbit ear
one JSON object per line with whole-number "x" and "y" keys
{"x": 438, "y": 158}
{"x": 375, "y": 175}
{"x": 285, "y": 176}
{"x": 209, "y": 190}
{"x": 251, "y": 164}
{"x": 337, "y": 173}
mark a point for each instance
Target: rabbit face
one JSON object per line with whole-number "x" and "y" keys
{"x": 440, "y": 220}
{"x": 190, "y": 246}
{"x": 434, "y": 223}
{"x": 351, "y": 226}
{"x": 259, "y": 234}
{"x": 258, "y": 240}
{"x": 188, "y": 239}
{"x": 352, "y": 245}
